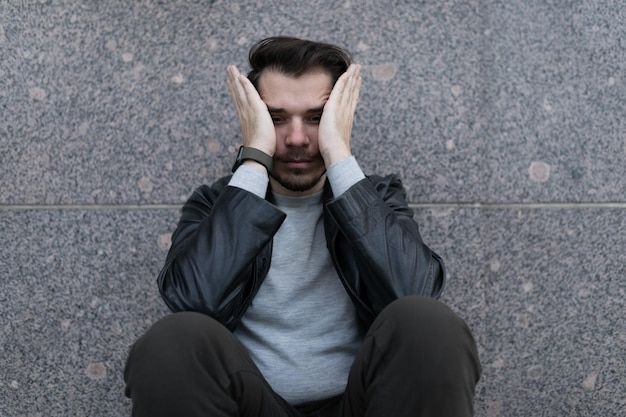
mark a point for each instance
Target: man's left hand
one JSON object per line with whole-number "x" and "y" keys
{"x": 335, "y": 128}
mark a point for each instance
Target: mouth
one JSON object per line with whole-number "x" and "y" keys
{"x": 299, "y": 160}
{"x": 297, "y": 163}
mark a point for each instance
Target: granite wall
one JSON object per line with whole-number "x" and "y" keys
{"x": 506, "y": 120}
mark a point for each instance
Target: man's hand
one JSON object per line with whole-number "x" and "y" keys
{"x": 335, "y": 127}
{"x": 257, "y": 128}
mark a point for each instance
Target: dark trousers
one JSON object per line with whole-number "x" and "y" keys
{"x": 418, "y": 359}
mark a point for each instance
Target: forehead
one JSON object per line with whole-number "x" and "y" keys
{"x": 285, "y": 91}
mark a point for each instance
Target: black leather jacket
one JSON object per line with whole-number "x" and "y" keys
{"x": 222, "y": 247}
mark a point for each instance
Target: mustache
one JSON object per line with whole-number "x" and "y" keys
{"x": 297, "y": 155}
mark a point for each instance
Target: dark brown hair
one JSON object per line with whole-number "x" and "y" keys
{"x": 295, "y": 57}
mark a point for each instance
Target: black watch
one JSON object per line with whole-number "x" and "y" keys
{"x": 255, "y": 155}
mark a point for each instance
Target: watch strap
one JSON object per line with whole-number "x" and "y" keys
{"x": 247, "y": 153}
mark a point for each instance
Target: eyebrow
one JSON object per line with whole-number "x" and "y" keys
{"x": 319, "y": 109}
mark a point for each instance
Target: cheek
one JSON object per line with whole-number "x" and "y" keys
{"x": 281, "y": 133}
{"x": 311, "y": 133}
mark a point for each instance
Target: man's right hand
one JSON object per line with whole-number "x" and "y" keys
{"x": 257, "y": 128}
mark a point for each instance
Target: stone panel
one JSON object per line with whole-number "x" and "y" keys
{"x": 77, "y": 288}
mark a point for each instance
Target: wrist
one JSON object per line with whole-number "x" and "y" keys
{"x": 253, "y": 157}
{"x": 256, "y": 165}
{"x": 337, "y": 155}
{"x": 265, "y": 149}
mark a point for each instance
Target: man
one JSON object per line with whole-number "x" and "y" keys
{"x": 300, "y": 286}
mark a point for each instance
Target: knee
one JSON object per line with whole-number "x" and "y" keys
{"x": 172, "y": 340}
{"x": 423, "y": 344}
{"x": 178, "y": 335}
{"x": 180, "y": 328}
{"x": 169, "y": 350}
{"x": 424, "y": 328}
{"x": 417, "y": 315}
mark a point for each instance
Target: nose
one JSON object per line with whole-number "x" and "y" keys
{"x": 296, "y": 136}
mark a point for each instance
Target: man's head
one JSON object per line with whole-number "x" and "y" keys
{"x": 294, "y": 78}
{"x": 295, "y": 57}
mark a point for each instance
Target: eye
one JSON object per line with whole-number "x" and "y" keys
{"x": 278, "y": 120}
{"x": 315, "y": 119}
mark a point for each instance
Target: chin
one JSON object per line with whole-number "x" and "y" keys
{"x": 299, "y": 182}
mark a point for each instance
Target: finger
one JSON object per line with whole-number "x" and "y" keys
{"x": 356, "y": 88}
{"x": 247, "y": 93}
{"x": 238, "y": 82}
{"x": 252, "y": 95}
{"x": 233, "y": 73}
{"x": 347, "y": 77}
{"x": 233, "y": 85}
{"x": 335, "y": 99}
{"x": 342, "y": 81}
{"x": 241, "y": 88}
{"x": 350, "y": 93}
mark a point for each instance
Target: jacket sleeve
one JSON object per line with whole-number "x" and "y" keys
{"x": 377, "y": 226}
{"x": 210, "y": 265}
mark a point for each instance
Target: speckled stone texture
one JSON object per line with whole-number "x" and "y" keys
{"x": 506, "y": 120}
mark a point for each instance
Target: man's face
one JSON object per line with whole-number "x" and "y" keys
{"x": 296, "y": 106}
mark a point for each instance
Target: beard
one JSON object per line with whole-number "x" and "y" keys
{"x": 298, "y": 180}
